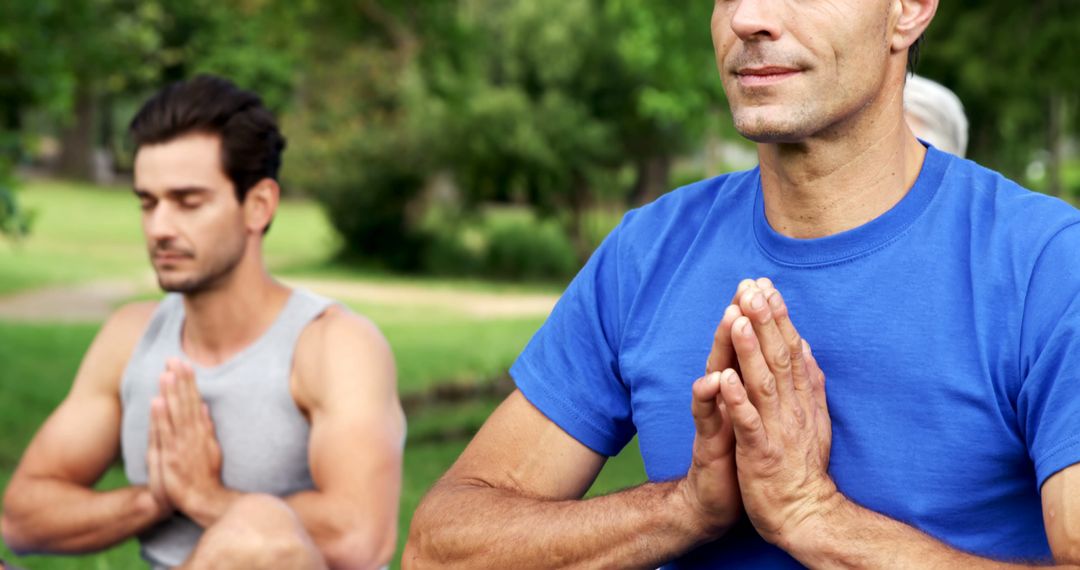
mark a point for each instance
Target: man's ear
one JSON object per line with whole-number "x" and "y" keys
{"x": 261, "y": 204}
{"x": 910, "y": 20}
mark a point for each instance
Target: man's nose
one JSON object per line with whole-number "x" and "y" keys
{"x": 160, "y": 223}
{"x": 757, "y": 20}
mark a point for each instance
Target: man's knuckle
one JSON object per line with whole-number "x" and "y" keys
{"x": 798, "y": 417}
{"x": 782, "y": 359}
{"x": 768, "y": 384}
{"x": 698, "y": 461}
{"x": 794, "y": 346}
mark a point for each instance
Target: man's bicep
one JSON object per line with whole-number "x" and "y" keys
{"x": 521, "y": 450}
{"x": 1061, "y": 514}
{"x": 81, "y": 438}
{"x": 77, "y": 443}
{"x": 357, "y": 426}
{"x": 356, "y": 448}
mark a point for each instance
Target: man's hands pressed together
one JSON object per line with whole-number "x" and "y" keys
{"x": 184, "y": 457}
{"x": 774, "y": 397}
{"x": 711, "y": 485}
{"x": 778, "y": 412}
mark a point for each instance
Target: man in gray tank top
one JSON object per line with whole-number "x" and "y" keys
{"x": 259, "y": 426}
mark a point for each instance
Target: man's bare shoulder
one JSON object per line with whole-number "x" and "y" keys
{"x": 120, "y": 334}
{"x": 338, "y": 329}
{"x": 132, "y": 318}
{"x": 103, "y": 364}
{"x": 126, "y": 326}
{"x": 342, "y": 346}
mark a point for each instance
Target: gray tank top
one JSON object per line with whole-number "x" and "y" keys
{"x": 263, "y": 435}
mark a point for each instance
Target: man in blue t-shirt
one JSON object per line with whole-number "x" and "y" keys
{"x": 940, "y": 299}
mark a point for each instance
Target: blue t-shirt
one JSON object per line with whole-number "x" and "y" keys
{"x": 948, "y": 328}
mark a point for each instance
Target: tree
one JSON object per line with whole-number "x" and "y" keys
{"x": 554, "y": 98}
{"x": 104, "y": 49}
{"x": 1013, "y": 64}
{"x": 547, "y": 103}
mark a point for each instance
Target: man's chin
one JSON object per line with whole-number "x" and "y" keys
{"x": 772, "y": 137}
{"x": 766, "y": 126}
{"x": 771, "y": 133}
{"x": 173, "y": 284}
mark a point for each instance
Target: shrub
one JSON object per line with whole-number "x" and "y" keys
{"x": 539, "y": 250}
{"x": 499, "y": 243}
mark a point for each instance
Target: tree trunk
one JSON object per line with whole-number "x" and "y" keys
{"x": 1055, "y": 143}
{"x": 579, "y": 201}
{"x": 78, "y": 140}
{"x": 406, "y": 44}
{"x": 653, "y": 173}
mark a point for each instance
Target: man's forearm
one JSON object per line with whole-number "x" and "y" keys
{"x": 847, "y": 535}
{"x": 471, "y": 526}
{"x": 52, "y": 516}
{"x": 346, "y": 538}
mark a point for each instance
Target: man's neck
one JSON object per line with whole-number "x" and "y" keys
{"x": 826, "y": 186}
{"x": 222, "y": 321}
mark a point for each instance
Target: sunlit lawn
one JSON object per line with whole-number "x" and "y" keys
{"x": 84, "y": 233}
{"x": 40, "y": 360}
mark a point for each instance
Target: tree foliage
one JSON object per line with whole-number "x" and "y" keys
{"x": 545, "y": 103}
{"x": 1012, "y": 64}
{"x": 555, "y": 104}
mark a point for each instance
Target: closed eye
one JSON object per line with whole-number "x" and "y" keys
{"x": 146, "y": 201}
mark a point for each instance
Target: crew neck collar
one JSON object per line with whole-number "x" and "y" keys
{"x": 858, "y": 241}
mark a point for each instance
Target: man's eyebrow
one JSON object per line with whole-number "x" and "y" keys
{"x": 186, "y": 190}
{"x": 173, "y": 192}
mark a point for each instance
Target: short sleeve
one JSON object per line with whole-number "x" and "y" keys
{"x": 1048, "y": 405}
{"x": 570, "y": 368}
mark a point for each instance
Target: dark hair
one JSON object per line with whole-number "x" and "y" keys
{"x": 251, "y": 144}
{"x": 913, "y": 55}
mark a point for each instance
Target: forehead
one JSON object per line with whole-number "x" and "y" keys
{"x": 187, "y": 161}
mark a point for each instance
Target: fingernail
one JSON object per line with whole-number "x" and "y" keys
{"x": 729, "y": 376}
{"x": 731, "y": 312}
{"x": 757, "y": 302}
{"x": 745, "y": 328}
{"x": 775, "y": 301}
{"x": 806, "y": 347}
{"x": 714, "y": 378}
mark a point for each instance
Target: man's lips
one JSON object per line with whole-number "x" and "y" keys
{"x": 169, "y": 257}
{"x": 760, "y": 76}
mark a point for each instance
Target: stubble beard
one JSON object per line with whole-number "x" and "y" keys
{"x": 208, "y": 279}
{"x": 794, "y": 124}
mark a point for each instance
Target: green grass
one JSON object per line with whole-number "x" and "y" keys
{"x": 338, "y": 269}
{"x": 433, "y": 346}
{"x": 40, "y": 361}
{"x": 86, "y": 233}
{"x": 83, "y": 232}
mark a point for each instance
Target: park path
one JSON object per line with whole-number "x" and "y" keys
{"x": 93, "y": 302}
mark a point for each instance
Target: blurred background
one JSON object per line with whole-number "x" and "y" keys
{"x": 450, "y": 166}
